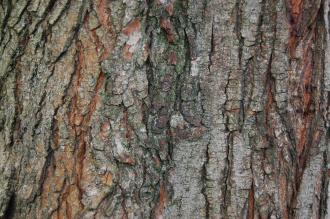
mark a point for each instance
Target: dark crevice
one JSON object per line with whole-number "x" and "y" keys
{"x": 5, "y": 20}
{"x": 227, "y": 172}
{"x": 212, "y": 47}
{"x": 240, "y": 38}
{"x": 324, "y": 188}
{"x": 38, "y": 114}
{"x": 11, "y": 208}
{"x": 46, "y": 13}
{"x": 21, "y": 15}
{"x": 238, "y": 28}
{"x": 48, "y": 163}
{"x": 18, "y": 110}
{"x": 204, "y": 180}
{"x": 75, "y": 30}
{"x": 65, "y": 8}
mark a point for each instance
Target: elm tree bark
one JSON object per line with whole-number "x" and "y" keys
{"x": 164, "y": 109}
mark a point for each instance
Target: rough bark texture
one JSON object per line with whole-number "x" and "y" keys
{"x": 164, "y": 109}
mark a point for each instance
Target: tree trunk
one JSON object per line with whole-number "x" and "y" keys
{"x": 164, "y": 109}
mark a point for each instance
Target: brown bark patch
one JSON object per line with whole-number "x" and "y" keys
{"x": 172, "y": 59}
{"x": 167, "y": 26}
{"x": 104, "y": 130}
{"x": 107, "y": 179}
{"x": 283, "y": 196}
{"x": 132, "y": 27}
{"x": 169, "y": 8}
{"x": 126, "y": 53}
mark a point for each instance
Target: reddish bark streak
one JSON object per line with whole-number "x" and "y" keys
{"x": 103, "y": 45}
{"x": 74, "y": 115}
{"x": 283, "y": 196}
{"x": 302, "y": 83}
{"x": 250, "y": 214}
{"x": 296, "y": 8}
{"x": 100, "y": 46}
{"x": 80, "y": 125}
{"x": 307, "y": 98}
{"x": 103, "y": 14}
{"x": 95, "y": 100}
{"x": 159, "y": 208}
{"x": 128, "y": 129}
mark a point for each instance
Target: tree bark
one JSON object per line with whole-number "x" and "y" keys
{"x": 164, "y": 109}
